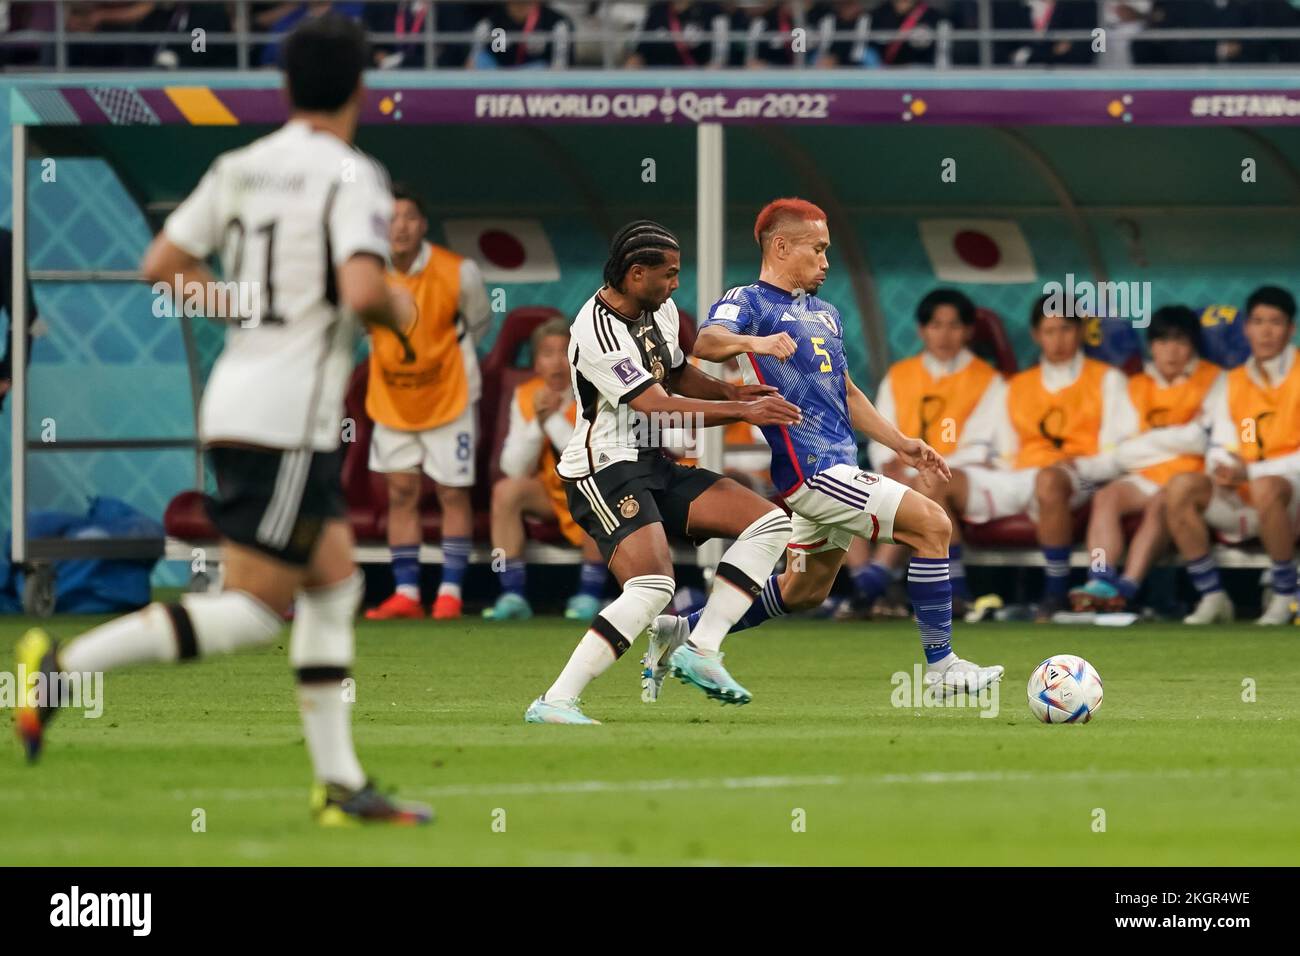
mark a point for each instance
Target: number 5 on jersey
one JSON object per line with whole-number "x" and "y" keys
{"x": 817, "y": 344}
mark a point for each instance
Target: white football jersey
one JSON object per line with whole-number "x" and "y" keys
{"x": 284, "y": 212}
{"x": 613, "y": 360}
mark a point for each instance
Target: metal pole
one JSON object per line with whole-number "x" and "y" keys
{"x": 60, "y": 39}
{"x": 18, "y": 350}
{"x": 241, "y": 28}
{"x": 986, "y": 24}
{"x": 710, "y": 235}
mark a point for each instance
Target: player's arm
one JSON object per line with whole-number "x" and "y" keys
{"x": 717, "y": 344}
{"x": 765, "y": 410}
{"x": 910, "y": 451}
{"x": 364, "y": 290}
{"x": 167, "y": 265}
{"x": 692, "y": 382}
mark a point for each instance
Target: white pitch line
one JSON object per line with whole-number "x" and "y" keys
{"x": 533, "y": 788}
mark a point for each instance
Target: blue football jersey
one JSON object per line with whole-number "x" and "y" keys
{"x": 813, "y": 378}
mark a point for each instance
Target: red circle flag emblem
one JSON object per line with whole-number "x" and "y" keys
{"x": 506, "y": 250}
{"x": 977, "y": 250}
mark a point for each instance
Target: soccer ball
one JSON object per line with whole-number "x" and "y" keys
{"x": 1064, "y": 689}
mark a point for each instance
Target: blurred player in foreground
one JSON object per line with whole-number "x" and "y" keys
{"x": 633, "y": 384}
{"x": 542, "y": 418}
{"x": 302, "y": 216}
{"x": 788, "y": 337}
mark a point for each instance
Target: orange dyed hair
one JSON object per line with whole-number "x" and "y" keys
{"x": 784, "y": 209}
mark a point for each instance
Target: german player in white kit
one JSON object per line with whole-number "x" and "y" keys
{"x": 301, "y": 217}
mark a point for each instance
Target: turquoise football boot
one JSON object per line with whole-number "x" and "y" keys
{"x": 568, "y": 711}
{"x": 509, "y": 607}
{"x": 706, "y": 672}
{"x": 582, "y": 607}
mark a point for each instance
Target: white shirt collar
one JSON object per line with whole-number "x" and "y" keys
{"x": 1188, "y": 369}
{"x": 939, "y": 368}
{"x": 1277, "y": 368}
{"x": 1057, "y": 376}
{"x": 422, "y": 259}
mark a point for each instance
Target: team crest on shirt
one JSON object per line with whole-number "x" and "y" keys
{"x": 629, "y": 507}
{"x": 657, "y": 369}
{"x": 866, "y": 477}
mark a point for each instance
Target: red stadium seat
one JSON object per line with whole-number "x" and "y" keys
{"x": 991, "y": 343}
{"x": 1016, "y": 531}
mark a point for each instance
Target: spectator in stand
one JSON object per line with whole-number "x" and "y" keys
{"x": 1048, "y": 15}
{"x": 410, "y": 18}
{"x": 768, "y": 30}
{"x": 114, "y": 18}
{"x": 185, "y": 18}
{"x": 1263, "y": 15}
{"x": 1183, "y": 15}
{"x": 38, "y": 17}
{"x": 916, "y": 22}
{"x": 283, "y": 17}
{"x": 1004, "y": 15}
{"x": 677, "y": 34}
{"x": 534, "y": 36}
{"x": 842, "y": 30}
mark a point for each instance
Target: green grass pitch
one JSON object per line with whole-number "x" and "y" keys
{"x": 820, "y": 769}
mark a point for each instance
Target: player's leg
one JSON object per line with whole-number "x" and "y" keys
{"x": 1106, "y": 589}
{"x": 1053, "y": 489}
{"x": 1188, "y": 497}
{"x": 1149, "y": 542}
{"x": 924, "y": 525}
{"x": 759, "y": 532}
{"x": 642, "y": 564}
{"x": 403, "y": 548}
{"x": 617, "y": 507}
{"x": 262, "y": 572}
{"x": 952, "y": 496}
{"x": 449, "y": 461}
{"x": 699, "y": 504}
{"x": 322, "y": 647}
{"x": 585, "y": 604}
{"x": 512, "y": 498}
{"x": 1273, "y": 497}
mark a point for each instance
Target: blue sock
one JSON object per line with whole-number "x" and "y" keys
{"x": 957, "y": 573}
{"x": 767, "y": 605}
{"x": 455, "y": 557}
{"x": 930, "y": 591}
{"x": 1205, "y": 574}
{"x": 514, "y": 577}
{"x": 1105, "y": 575}
{"x": 1284, "y": 577}
{"x": 1057, "y": 580}
{"x": 591, "y": 580}
{"x": 406, "y": 569}
{"x": 871, "y": 581}
{"x": 1127, "y": 587}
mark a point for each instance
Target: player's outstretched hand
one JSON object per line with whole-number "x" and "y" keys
{"x": 922, "y": 457}
{"x": 771, "y": 410}
{"x": 778, "y": 346}
{"x": 747, "y": 393}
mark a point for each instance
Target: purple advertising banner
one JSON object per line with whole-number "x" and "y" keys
{"x": 552, "y": 104}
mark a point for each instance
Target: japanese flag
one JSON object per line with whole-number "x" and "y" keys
{"x": 977, "y": 250}
{"x": 506, "y": 250}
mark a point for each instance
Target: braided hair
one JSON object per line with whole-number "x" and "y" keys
{"x": 644, "y": 243}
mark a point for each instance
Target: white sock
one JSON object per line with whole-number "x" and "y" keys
{"x": 321, "y": 649}
{"x": 327, "y": 727}
{"x": 452, "y": 589}
{"x": 145, "y": 635}
{"x": 740, "y": 577}
{"x": 591, "y": 658}
{"x": 612, "y": 633}
{"x": 201, "y": 625}
{"x": 411, "y": 591}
